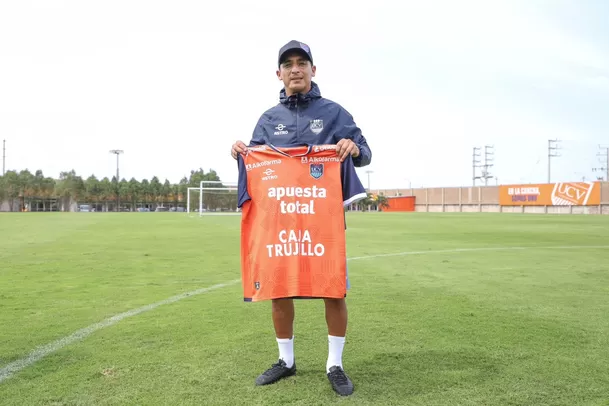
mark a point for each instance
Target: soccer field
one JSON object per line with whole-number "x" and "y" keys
{"x": 444, "y": 309}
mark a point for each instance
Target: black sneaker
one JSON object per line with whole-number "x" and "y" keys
{"x": 340, "y": 381}
{"x": 277, "y": 371}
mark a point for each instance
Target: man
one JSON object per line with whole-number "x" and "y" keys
{"x": 303, "y": 117}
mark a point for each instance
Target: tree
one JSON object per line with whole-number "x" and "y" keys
{"x": 134, "y": 192}
{"x": 167, "y": 192}
{"x": 155, "y": 189}
{"x": 11, "y": 188}
{"x": 26, "y": 184}
{"x": 212, "y": 200}
{"x": 92, "y": 189}
{"x": 183, "y": 189}
{"x": 382, "y": 202}
{"x": 123, "y": 188}
{"x": 69, "y": 189}
{"x": 373, "y": 201}
{"x": 43, "y": 189}
{"x": 3, "y": 189}
{"x": 106, "y": 191}
{"x": 145, "y": 190}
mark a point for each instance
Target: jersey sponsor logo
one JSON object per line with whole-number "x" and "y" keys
{"x": 316, "y": 170}
{"x": 291, "y": 191}
{"x": 261, "y": 164}
{"x": 268, "y": 174}
{"x": 280, "y": 130}
{"x": 318, "y": 148}
{"x": 315, "y": 159}
{"x": 316, "y": 126}
{"x": 295, "y": 243}
{"x": 298, "y": 206}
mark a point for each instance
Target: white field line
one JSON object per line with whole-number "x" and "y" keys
{"x": 37, "y": 354}
{"x": 41, "y": 352}
{"x": 457, "y": 250}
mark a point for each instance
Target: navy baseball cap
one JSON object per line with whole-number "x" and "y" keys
{"x": 295, "y": 46}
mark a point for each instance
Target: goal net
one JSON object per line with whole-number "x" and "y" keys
{"x": 212, "y": 197}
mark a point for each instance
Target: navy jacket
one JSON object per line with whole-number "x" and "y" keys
{"x": 307, "y": 120}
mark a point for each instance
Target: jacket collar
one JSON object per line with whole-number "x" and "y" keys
{"x": 299, "y": 98}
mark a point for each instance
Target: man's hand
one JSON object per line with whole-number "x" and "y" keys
{"x": 346, "y": 147}
{"x": 238, "y": 148}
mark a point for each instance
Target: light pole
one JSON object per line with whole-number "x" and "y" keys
{"x": 117, "y": 152}
{"x": 552, "y": 148}
{"x": 369, "y": 172}
{"x": 409, "y": 185}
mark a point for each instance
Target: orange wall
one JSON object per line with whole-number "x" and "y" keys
{"x": 490, "y": 195}
{"x": 402, "y": 203}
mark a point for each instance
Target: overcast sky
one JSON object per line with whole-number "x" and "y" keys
{"x": 175, "y": 83}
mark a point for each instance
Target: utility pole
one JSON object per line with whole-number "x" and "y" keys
{"x": 369, "y": 172}
{"x": 118, "y": 193}
{"x": 604, "y": 159}
{"x": 475, "y": 164}
{"x": 3, "y": 156}
{"x": 488, "y": 158}
{"x": 552, "y": 148}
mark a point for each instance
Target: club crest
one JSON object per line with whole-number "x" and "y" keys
{"x": 316, "y": 126}
{"x": 316, "y": 170}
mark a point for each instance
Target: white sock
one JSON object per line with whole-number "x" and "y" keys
{"x": 286, "y": 350}
{"x": 335, "y": 352}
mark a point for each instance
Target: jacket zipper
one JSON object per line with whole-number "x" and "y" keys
{"x": 297, "y": 126}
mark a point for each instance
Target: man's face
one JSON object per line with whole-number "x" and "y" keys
{"x": 296, "y": 73}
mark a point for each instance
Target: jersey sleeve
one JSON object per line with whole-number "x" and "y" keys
{"x": 353, "y": 190}
{"x": 242, "y": 193}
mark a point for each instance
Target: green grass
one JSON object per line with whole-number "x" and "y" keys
{"x": 499, "y": 326}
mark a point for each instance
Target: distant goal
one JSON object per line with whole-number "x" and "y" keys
{"x": 213, "y": 197}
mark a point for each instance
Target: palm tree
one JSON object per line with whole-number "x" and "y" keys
{"x": 374, "y": 202}
{"x": 382, "y": 202}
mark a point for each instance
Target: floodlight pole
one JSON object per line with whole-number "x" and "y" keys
{"x": 552, "y": 147}
{"x": 369, "y": 172}
{"x": 117, "y": 152}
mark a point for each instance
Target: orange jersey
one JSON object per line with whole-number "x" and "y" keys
{"x": 293, "y": 225}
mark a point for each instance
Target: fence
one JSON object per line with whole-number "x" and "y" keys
{"x": 487, "y": 198}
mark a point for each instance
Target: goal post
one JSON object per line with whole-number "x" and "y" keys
{"x": 212, "y": 197}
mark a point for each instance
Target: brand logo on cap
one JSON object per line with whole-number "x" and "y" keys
{"x": 305, "y": 47}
